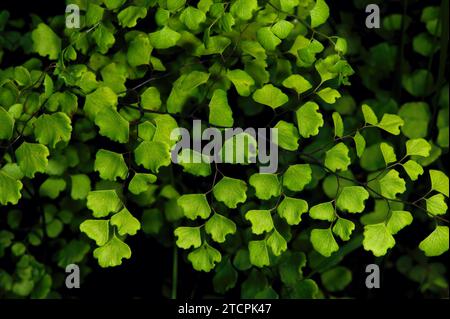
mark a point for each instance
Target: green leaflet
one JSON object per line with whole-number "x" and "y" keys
{"x": 204, "y": 258}
{"x": 230, "y": 191}
{"x": 352, "y": 198}
{"x": 319, "y": 14}
{"x": 219, "y": 227}
{"x": 259, "y": 254}
{"x": 436, "y": 243}
{"x": 103, "y": 202}
{"x": 378, "y": 239}
{"x": 112, "y": 253}
{"x": 112, "y": 125}
{"x": 261, "y": 221}
{"x": 337, "y": 158}
{"x": 220, "y": 112}
{"x": 265, "y": 185}
{"x": 297, "y": 177}
{"x": 439, "y": 182}
{"x": 6, "y": 124}
{"x": 141, "y": 182}
{"x": 297, "y": 83}
{"x": 97, "y": 230}
{"x": 194, "y": 205}
{"x": 309, "y": 120}
{"x": 46, "y": 41}
{"x": 125, "y": 223}
{"x": 110, "y": 165}
{"x": 323, "y": 241}
{"x": 188, "y": 237}
{"x": 324, "y": 211}
{"x": 152, "y": 155}
{"x": 271, "y": 96}
{"x": 291, "y": 209}
{"x": 32, "y": 158}
{"x": 9, "y": 189}
{"x": 287, "y": 135}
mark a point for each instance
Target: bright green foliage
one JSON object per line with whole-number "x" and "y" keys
{"x": 287, "y": 135}
{"x": 243, "y": 9}
{"x": 413, "y": 169}
{"x": 270, "y": 96}
{"x": 110, "y": 165}
{"x": 391, "y": 123}
{"x": 112, "y": 253}
{"x": 436, "y": 204}
{"x": 360, "y": 144}
{"x": 129, "y": 16}
{"x": 352, "y": 198}
{"x": 323, "y": 241}
{"x": 51, "y": 129}
{"x": 309, "y": 120}
{"x": 126, "y": 223}
{"x": 319, "y": 13}
{"x": 87, "y": 118}
{"x": 392, "y": 184}
{"x": 291, "y": 209}
{"x": 297, "y": 177}
{"x": 388, "y": 153}
{"x": 242, "y": 81}
{"x": 399, "y": 220}
{"x": 297, "y": 83}
{"x": 46, "y": 41}
{"x": 418, "y": 147}
{"x": 188, "y": 237}
{"x": 324, "y": 211}
{"x": 337, "y": 158}
{"x": 204, "y": 258}
{"x": 338, "y": 125}
{"x": 277, "y": 243}
{"x": 192, "y": 17}
{"x": 141, "y": 182}
{"x": 103, "y": 202}
{"x": 261, "y": 221}
{"x": 329, "y": 95}
{"x": 32, "y": 158}
{"x": 112, "y": 125}
{"x": 152, "y": 155}
{"x": 219, "y": 227}
{"x": 259, "y": 254}
{"x": 369, "y": 115}
{"x": 194, "y": 163}
{"x": 97, "y": 230}
{"x": 164, "y": 38}
{"x": 439, "y": 182}
{"x": 378, "y": 239}
{"x": 265, "y": 185}
{"x": 436, "y": 243}
{"x": 230, "y": 191}
{"x": 220, "y": 113}
{"x": 7, "y": 124}
{"x": 99, "y": 100}
{"x": 9, "y": 189}
{"x": 194, "y": 205}
{"x": 151, "y": 99}
{"x": 343, "y": 228}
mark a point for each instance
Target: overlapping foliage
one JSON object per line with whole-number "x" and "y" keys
{"x": 85, "y": 125}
